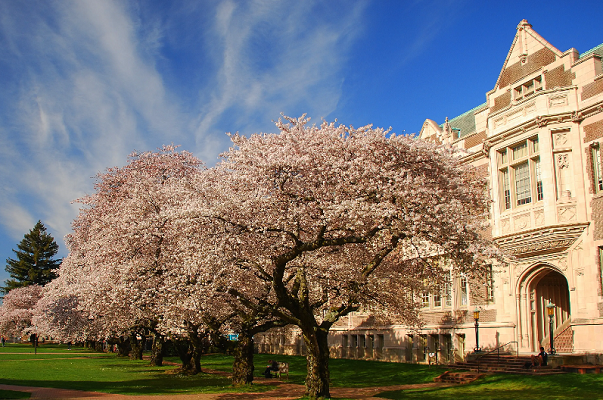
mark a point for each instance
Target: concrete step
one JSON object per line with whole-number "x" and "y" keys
{"x": 516, "y": 366}
{"x": 458, "y": 378}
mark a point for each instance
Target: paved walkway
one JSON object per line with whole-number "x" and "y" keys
{"x": 282, "y": 390}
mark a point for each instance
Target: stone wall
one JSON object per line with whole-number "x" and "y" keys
{"x": 597, "y": 217}
{"x": 593, "y": 131}
{"x": 501, "y": 102}
{"x": 558, "y": 77}
{"x": 518, "y": 70}
{"x": 564, "y": 342}
{"x": 474, "y": 140}
{"x": 592, "y": 89}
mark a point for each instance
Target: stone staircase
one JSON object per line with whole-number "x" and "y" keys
{"x": 493, "y": 363}
{"x": 458, "y": 377}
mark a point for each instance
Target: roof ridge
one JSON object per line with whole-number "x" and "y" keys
{"x": 465, "y": 113}
{"x": 593, "y": 50}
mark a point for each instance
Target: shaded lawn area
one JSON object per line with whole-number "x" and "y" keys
{"x": 110, "y": 374}
{"x": 509, "y": 386}
{"x": 344, "y": 373}
{"x": 12, "y": 394}
{"x": 43, "y": 348}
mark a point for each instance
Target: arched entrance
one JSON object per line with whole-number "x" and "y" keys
{"x": 541, "y": 286}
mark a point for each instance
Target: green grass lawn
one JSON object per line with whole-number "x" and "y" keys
{"x": 344, "y": 373}
{"x": 104, "y": 373}
{"x": 43, "y": 348}
{"x": 54, "y": 366}
{"x": 508, "y": 386}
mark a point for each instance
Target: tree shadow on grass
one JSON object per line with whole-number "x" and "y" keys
{"x": 173, "y": 384}
{"x": 13, "y": 394}
{"x": 560, "y": 387}
{"x": 360, "y": 373}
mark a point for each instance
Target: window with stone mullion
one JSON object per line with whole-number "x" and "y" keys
{"x": 522, "y": 184}
{"x": 538, "y": 179}
{"x": 506, "y": 189}
{"x": 597, "y": 175}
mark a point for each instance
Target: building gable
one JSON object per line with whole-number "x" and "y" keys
{"x": 431, "y": 131}
{"x": 529, "y": 52}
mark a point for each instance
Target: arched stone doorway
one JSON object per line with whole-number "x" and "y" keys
{"x": 541, "y": 286}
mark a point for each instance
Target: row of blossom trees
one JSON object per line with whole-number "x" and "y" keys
{"x": 300, "y": 227}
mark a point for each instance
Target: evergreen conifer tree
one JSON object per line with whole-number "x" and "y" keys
{"x": 34, "y": 263}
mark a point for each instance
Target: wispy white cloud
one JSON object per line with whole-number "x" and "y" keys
{"x": 275, "y": 57}
{"x": 86, "y": 98}
{"x": 16, "y": 218}
{"x": 87, "y": 82}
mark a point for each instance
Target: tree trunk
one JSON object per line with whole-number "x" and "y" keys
{"x": 182, "y": 347}
{"x": 157, "y": 350}
{"x": 196, "y": 349}
{"x": 98, "y": 346}
{"x": 137, "y": 346}
{"x": 123, "y": 347}
{"x": 318, "y": 378}
{"x": 189, "y": 350}
{"x": 242, "y": 367}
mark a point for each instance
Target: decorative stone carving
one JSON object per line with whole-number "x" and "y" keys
{"x": 521, "y": 222}
{"x": 558, "y": 100}
{"x": 543, "y": 246}
{"x": 562, "y": 161}
{"x": 577, "y": 116}
{"x": 515, "y": 114}
{"x": 486, "y": 149}
{"x": 539, "y": 241}
{"x": 566, "y": 213}
{"x": 505, "y": 226}
{"x": 539, "y": 217}
{"x": 578, "y": 246}
{"x": 446, "y": 134}
{"x": 560, "y": 139}
{"x": 562, "y": 264}
{"x": 540, "y": 122}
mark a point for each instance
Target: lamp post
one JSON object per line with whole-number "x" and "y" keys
{"x": 476, "y": 318}
{"x": 550, "y": 310}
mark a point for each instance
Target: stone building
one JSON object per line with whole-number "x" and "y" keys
{"x": 538, "y": 138}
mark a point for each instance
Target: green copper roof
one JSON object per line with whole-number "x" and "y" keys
{"x": 597, "y": 50}
{"x": 465, "y": 123}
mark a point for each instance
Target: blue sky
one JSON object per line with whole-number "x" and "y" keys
{"x": 84, "y": 83}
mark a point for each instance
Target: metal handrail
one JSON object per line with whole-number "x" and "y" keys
{"x": 498, "y": 355}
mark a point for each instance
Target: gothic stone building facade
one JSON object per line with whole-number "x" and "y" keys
{"x": 538, "y": 139}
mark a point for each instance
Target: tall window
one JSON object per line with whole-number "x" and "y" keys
{"x": 463, "y": 290}
{"x": 448, "y": 293}
{"x": 523, "y": 191}
{"x": 520, "y": 174}
{"x": 490, "y": 284}
{"x": 425, "y": 300}
{"x": 437, "y": 300}
{"x": 506, "y": 188}
{"x": 597, "y": 176}
{"x": 538, "y": 178}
